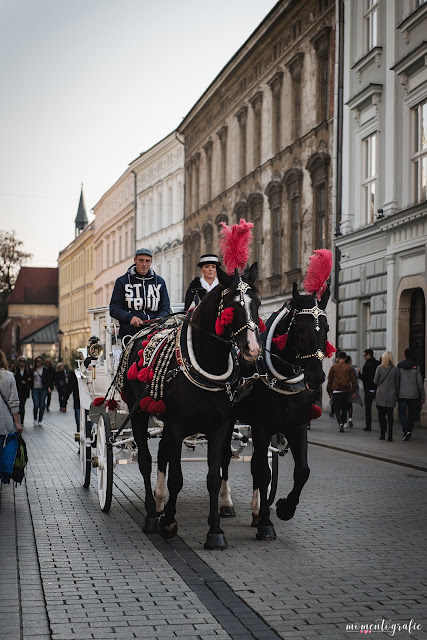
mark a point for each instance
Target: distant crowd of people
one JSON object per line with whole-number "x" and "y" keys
{"x": 384, "y": 383}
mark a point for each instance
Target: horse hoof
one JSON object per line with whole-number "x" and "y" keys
{"x": 227, "y": 512}
{"x": 150, "y": 525}
{"x": 284, "y": 510}
{"x": 215, "y": 541}
{"x": 167, "y": 531}
{"x": 255, "y": 520}
{"x": 266, "y": 532}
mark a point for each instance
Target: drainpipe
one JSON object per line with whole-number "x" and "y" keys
{"x": 134, "y": 215}
{"x": 338, "y": 137}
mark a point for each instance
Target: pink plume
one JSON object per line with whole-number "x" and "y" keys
{"x": 235, "y": 244}
{"x": 318, "y": 272}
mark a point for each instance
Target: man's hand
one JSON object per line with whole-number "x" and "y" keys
{"x": 136, "y": 322}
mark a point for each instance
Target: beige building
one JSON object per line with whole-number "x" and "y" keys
{"x": 258, "y": 145}
{"x": 76, "y": 276}
{"x": 160, "y": 209}
{"x": 114, "y": 236}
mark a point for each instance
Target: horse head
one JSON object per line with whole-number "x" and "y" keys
{"x": 308, "y": 332}
{"x": 237, "y": 317}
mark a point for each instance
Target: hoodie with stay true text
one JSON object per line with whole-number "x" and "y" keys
{"x": 143, "y": 296}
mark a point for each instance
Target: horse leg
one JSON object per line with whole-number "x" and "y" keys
{"x": 160, "y": 488}
{"x": 139, "y": 428}
{"x": 226, "y": 509}
{"x": 215, "y": 538}
{"x": 285, "y": 507}
{"x": 255, "y": 504}
{"x": 171, "y": 452}
{"x": 262, "y": 475}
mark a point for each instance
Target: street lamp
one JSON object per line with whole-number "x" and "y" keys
{"x": 60, "y": 335}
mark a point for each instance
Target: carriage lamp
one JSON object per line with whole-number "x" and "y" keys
{"x": 95, "y": 348}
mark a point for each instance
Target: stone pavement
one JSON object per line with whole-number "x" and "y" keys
{"x": 354, "y": 554}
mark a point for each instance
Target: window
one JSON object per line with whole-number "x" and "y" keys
{"x": 189, "y": 191}
{"x": 274, "y": 192}
{"x": 257, "y": 109}
{"x": 222, "y": 134}
{"x": 318, "y": 165}
{"x": 371, "y": 24}
{"x": 276, "y": 90}
{"x": 255, "y": 208}
{"x": 293, "y": 182}
{"x": 196, "y": 165}
{"x": 319, "y": 212}
{"x": 295, "y": 69}
{"x": 295, "y": 214}
{"x": 370, "y": 177}
{"x": 419, "y": 157}
{"x": 208, "y": 152}
{"x": 242, "y": 116}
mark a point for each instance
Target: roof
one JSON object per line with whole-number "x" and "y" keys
{"x": 81, "y": 217}
{"x": 47, "y": 334}
{"x": 35, "y": 285}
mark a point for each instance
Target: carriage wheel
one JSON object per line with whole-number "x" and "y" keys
{"x": 273, "y": 461}
{"x": 104, "y": 470}
{"x": 85, "y": 446}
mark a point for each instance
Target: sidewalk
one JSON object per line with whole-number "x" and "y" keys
{"x": 413, "y": 453}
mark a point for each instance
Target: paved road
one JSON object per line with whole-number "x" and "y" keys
{"x": 353, "y": 555}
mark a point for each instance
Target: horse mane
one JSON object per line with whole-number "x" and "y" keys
{"x": 205, "y": 314}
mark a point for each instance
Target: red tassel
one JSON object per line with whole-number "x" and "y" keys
{"x": 98, "y": 402}
{"x": 145, "y": 375}
{"x": 330, "y": 349}
{"x": 141, "y": 363}
{"x": 316, "y": 412}
{"x": 261, "y": 325}
{"x": 143, "y": 345}
{"x": 281, "y": 341}
{"x": 111, "y": 405}
{"x": 224, "y": 319}
{"x": 123, "y": 396}
{"x": 145, "y": 402}
{"x": 157, "y": 407}
{"x": 133, "y": 372}
{"x": 141, "y": 353}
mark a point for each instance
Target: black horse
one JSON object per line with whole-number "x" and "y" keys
{"x": 280, "y": 399}
{"x": 198, "y": 383}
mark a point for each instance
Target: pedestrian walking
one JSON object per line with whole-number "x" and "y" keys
{"x": 39, "y": 385}
{"x": 9, "y": 402}
{"x": 341, "y": 382}
{"x": 351, "y": 400}
{"x": 386, "y": 380}
{"x": 61, "y": 379}
{"x": 73, "y": 388}
{"x": 207, "y": 280}
{"x": 51, "y": 375}
{"x": 22, "y": 375}
{"x": 367, "y": 376}
{"x": 411, "y": 391}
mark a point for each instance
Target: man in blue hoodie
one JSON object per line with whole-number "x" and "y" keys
{"x": 139, "y": 295}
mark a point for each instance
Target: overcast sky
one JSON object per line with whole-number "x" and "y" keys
{"x": 87, "y": 85}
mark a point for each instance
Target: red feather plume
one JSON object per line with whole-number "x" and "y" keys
{"x": 235, "y": 244}
{"x": 330, "y": 349}
{"x": 318, "y": 272}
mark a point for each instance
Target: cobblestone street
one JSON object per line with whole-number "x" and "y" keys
{"x": 354, "y": 554}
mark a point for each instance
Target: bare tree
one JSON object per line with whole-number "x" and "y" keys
{"x": 12, "y": 258}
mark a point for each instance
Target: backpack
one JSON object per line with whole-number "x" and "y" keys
{"x": 14, "y": 459}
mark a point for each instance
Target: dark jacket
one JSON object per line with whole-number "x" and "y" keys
{"x": 23, "y": 383}
{"x": 45, "y": 378}
{"x": 410, "y": 379}
{"x": 145, "y": 297}
{"x": 367, "y": 374}
{"x": 195, "y": 289}
{"x": 73, "y": 388}
{"x": 51, "y": 376}
{"x": 61, "y": 378}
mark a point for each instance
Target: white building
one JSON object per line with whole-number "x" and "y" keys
{"x": 383, "y": 218}
{"x": 160, "y": 209}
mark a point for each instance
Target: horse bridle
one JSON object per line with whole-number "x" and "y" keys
{"x": 316, "y": 312}
{"x": 242, "y": 287}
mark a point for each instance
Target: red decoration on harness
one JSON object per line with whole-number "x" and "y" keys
{"x": 133, "y": 372}
{"x": 145, "y": 402}
{"x": 158, "y": 407}
{"x": 123, "y": 396}
{"x": 330, "y": 349}
{"x": 261, "y": 325}
{"x": 281, "y": 341}
{"x": 224, "y": 319}
{"x": 98, "y": 402}
{"x": 318, "y": 272}
{"x": 235, "y": 244}
{"x": 316, "y": 412}
{"x": 145, "y": 375}
{"x": 111, "y": 404}
{"x": 143, "y": 345}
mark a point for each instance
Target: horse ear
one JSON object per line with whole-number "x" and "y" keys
{"x": 223, "y": 277}
{"x": 324, "y": 299}
{"x": 252, "y": 274}
{"x": 295, "y": 292}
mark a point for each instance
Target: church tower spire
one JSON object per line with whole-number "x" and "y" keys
{"x": 81, "y": 217}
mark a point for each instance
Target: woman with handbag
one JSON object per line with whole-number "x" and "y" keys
{"x": 387, "y": 381}
{"x": 9, "y": 402}
{"x": 39, "y": 384}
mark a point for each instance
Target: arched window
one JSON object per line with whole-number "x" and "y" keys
{"x": 318, "y": 167}
{"x": 274, "y": 194}
{"x": 293, "y": 184}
